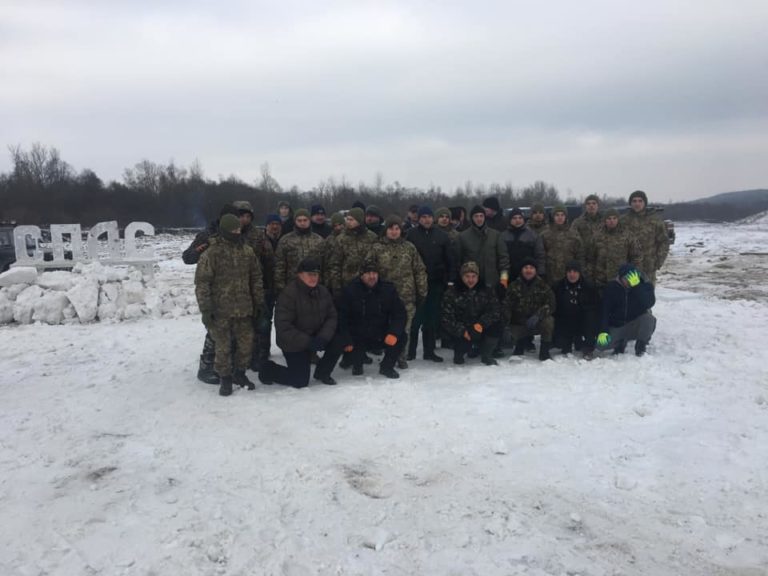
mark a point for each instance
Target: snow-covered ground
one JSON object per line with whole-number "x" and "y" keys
{"x": 114, "y": 459}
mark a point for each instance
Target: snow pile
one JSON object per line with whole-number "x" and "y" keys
{"x": 88, "y": 293}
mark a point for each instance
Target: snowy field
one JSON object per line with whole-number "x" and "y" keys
{"x": 114, "y": 459}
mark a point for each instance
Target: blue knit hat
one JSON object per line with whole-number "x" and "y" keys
{"x": 272, "y": 218}
{"x": 425, "y": 211}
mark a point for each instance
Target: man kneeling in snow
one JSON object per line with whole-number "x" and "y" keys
{"x": 230, "y": 294}
{"x": 305, "y": 321}
{"x": 472, "y": 315}
{"x": 627, "y": 301}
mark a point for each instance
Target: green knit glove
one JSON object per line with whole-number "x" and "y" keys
{"x": 633, "y": 278}
{"x": 603, "y": 339}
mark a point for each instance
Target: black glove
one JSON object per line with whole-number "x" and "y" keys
{"x": 317, "y": 343}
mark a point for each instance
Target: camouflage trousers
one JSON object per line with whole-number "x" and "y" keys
{"x": 545, "y": 327}
{"x": 225, "y": 332}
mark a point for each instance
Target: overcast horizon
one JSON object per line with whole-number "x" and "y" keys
{"x": 668, "y": 97}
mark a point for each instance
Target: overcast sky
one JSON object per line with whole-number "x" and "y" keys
{"x": 593, "y": 96}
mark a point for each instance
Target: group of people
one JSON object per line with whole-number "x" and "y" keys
{"x": 357, "y": 284}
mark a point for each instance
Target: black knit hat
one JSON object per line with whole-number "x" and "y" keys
{"x": 528, "y": 262}
{"x": 493, "y": 203}
{"x": 476, "y": 209}
{"x": 573, "y": 265}
{"x": 515, "y": 212}
{"x": 309, "y": 265}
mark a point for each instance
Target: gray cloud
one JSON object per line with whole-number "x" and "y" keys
{"x": 591, "y": 96}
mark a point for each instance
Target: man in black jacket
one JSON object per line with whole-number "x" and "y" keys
{"x": 627, "y": 303}
{"x": 371, "y": 317}
{"x": 305, "y": 322}
{"x": 575, "y": 312}
{"x": 436, "y": 250}
{"x": 522, "y": 243}
{"x": 494, "y": 215}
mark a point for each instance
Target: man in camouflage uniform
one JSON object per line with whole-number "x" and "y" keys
{"x": 587, "y": 226}
{"x": 230, "y": 294}
{"x": 349, "y": 251}
{"x": 293, "y": 248}
{"x": 615, "y": 246}
{"x": 326, "y": 248}
{"x": 529, "y": 308}
{"x": 471, "y": 315}
{"x": 538, "y": 219}
{"x": 201, "y": 242}
{"x": 561, "y": 245}
{"x": 650, "y": 233}
{"x": 374, "y": 220}
{"x": 443, "y": 216}
{"x": 261, "y": 245}
{"x": 398, "y": 261}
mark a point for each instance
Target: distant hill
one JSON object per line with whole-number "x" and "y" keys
{"x": 737, "y": 198}
{"x": 725, "y": 207}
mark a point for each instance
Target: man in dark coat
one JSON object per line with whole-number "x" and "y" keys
{"x": 305, "y": 322}
{"x": 494, "y": 215}
{"x": 627, "y": 303}
{"x": 203, "y": 239}
{"x": 435, "y": 248}
{"x": 413, "y": 218}
{"x": 319, "y": 224}
{"x": 575, "y": 312}
{"x": 472, "y": 316}
{"x": 374, "y": 220}
{"x": 371, "y": 317}
{"x": 522, "y": 243}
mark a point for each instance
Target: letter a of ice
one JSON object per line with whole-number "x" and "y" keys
{"x": 20, "y": 235}
{"x": 95, "y": 251}
{"x": 131, "y": 251}
{"x": 57, "y": 238}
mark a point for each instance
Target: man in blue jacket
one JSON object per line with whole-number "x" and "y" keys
{"x": 627, "y": 303}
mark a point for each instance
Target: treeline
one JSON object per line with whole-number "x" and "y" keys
{"x": 41, "y": 188}
{"x": 714, "y": 212}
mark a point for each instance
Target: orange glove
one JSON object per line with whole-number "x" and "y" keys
{"x": 390, "y": 340}
{"x": 478, "y": 327}
{"x": 348, "y": 348}
{"x": 467, "y": 336}
{"x": 504, "y": 282}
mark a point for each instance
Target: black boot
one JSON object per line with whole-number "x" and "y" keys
{"x": 519, "y": 348}
{"x": 226, "y": 386}
{"x": 620, "y": 348}
{"x": 241, "y": 380}
{"x": 640, "y": 347}
{"x": 458, "y": 356}
{"x": 328, "y": 380}
{"x": 264, "y": 374}
{"x": 544, "y": 351}
{"x": 529, "y": 345}
{"x": 389, "y": 372}
{"x": 488, "y": 350}
{"x": 206, "y": 373}
{"x": 357, "y": 370}
{"x": 429, "y": 346}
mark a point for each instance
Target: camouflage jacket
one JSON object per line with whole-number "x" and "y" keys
{"x": 325, "y": 251}
{"x": 561, "y": 245}
{"x": 651, "y": 236}
{"x": 347, "y": 254}
{"x": 462, "y": 307}
{"x": 538, "y": 228}
{"x": 228, "y": 281}
{"x": 524, "y": 299}
{"x": 587, "y": 227}
{"x": 257, "y": 239}
{"x": 614, "y": 248}
{"x": 399, "y": 262}
{"x": 291, "y": 250}
{"x": 453, "y": 234}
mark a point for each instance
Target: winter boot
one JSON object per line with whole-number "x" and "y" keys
{"x": 327, "y": 380}
{"x": 640, "y": 348}
{"x": 402, "y": 364}
{"x": 241, "y": 380}
{"x": 226, "y": 386}
{"x": 389, "y": 372}
{"x": 488, "y": 351}
{"x": 519, "y": 348}
{"x": 458, "y": 356}
{"x": 620, "y": 348}
{"x": 264, "y": 376}
{"x": 357, "y": 370}
{"x": 529, "y": 345}
{"x": 544, "y": 351}
{"x": 429, "y": 346}
{"x": 206, "y": 373}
